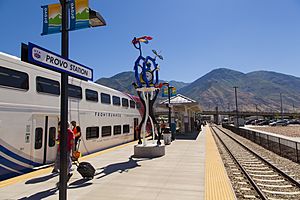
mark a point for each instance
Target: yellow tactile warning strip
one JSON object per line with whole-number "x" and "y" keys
{"x": 49, "y": 169}
{"x": 217, "y": 183}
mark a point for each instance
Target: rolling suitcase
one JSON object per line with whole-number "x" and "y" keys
{"x": 86, "y": 170}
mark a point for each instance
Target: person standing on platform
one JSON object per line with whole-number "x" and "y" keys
{"x": 70, "y": 149}
{"x": 77, "y": 133}
{"x": 162, "y": 126}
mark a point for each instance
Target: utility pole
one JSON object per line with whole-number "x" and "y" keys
{"x": 236, "y": 106}
{"x": 293, "y": 107}
{"x": 281, "y": 110}
{"x": 256, "y": 111}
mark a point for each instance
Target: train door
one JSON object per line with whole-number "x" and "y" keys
{"x": 51, "y": 149}
{"x": 135, "y": 124}
{"x": 44, "y": 135}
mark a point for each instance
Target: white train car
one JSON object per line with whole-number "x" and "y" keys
{"x": 30, "y": 112}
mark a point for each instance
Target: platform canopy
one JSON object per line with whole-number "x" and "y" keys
{"x": 183, "y": 109}
{"x": 180, "y": 102}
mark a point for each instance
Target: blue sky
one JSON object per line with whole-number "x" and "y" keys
{"x": 195, "y": 36}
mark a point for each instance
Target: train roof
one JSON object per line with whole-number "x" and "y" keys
{"x": 12, "y": 58}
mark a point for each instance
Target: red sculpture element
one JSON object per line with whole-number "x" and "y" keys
{"x": 159, "y": 85}
{"x": 141, "y": 39}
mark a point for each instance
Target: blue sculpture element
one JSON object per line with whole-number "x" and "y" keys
{"x": 148, "y": 65}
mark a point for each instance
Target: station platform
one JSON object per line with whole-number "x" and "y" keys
{"x": 191, "y": 169}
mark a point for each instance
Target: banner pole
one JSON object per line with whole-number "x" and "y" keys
{"x": 64, "y": 105}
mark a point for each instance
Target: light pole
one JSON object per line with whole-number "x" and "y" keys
{"x": 64, "y": 105}
{"x": 236, "y": 107}
{"x": 169, "y": 106}
{"x": 281, "y": 110}
{"x": 95, "y": 20}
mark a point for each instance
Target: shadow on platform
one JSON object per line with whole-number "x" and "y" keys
{"x": 41, "y": 195}
{"x": 119, "y": 167}
{"x": 80, "y": 183}
{"x": 187, "y": 136}
{"x": 41, "y": 179}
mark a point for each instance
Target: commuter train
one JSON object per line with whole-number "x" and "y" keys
{"x": 30, "y": 112}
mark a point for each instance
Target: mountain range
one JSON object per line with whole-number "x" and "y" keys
{"x": 256, "y": 91}
{"x": 123, "y": 82}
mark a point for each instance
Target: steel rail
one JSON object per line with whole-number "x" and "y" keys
{"x": 253, "y": 184}
{"x": 288, "y": 177}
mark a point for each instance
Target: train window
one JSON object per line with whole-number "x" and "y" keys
{"x": 124, "y": 102}
{"x": 13, "y": 78}
{"x": 75, "y": 91}
{"x": 91, "y": 95}
{"x": 117, "y": 129}
{"x": 116, "y": 100}
{"x": 92, "y": 132}
{"x": 138, "y": 105}
{"x": 132, "y": 104}
{"x": 38, "y": 138}
{"x": 106, "y": 131}
{"x": 126, "y": 128}
{"x": 52, "y": 136}
{"x": 105, "y": 98}
{"x": 48, "y": 86}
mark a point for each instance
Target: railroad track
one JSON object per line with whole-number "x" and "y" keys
{"x": 255, "y": 177}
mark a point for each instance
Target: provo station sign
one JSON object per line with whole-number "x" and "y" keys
{"x": 42, "y": 57}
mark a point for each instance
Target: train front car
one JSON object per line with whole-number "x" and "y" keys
{"x": 30, "y": 112}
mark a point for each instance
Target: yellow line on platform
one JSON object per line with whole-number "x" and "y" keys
{"x": 217, "y": 183}
{"x": 25, "y": 177}
{"x": 49, "y": 169}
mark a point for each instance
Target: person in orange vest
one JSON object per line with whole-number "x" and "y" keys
{"x": 77, "y": 133}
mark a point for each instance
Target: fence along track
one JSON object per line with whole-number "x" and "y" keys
{"x": 269, "y": 181}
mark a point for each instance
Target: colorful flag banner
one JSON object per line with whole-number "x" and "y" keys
{"x": 51, "y": 19}
{"x": 165, "y": 92}
{"x": 173, "y": 92}
{"x": 79, "y": 14}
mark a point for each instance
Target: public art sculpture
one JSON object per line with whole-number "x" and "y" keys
{"x": 147, "y": 87}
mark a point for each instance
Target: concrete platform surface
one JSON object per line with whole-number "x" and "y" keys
{"x": 179, "y": 175}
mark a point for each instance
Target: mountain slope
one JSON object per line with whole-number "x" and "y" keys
{"x": 123, "y": 82}
{"x": 261, "y": 88}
